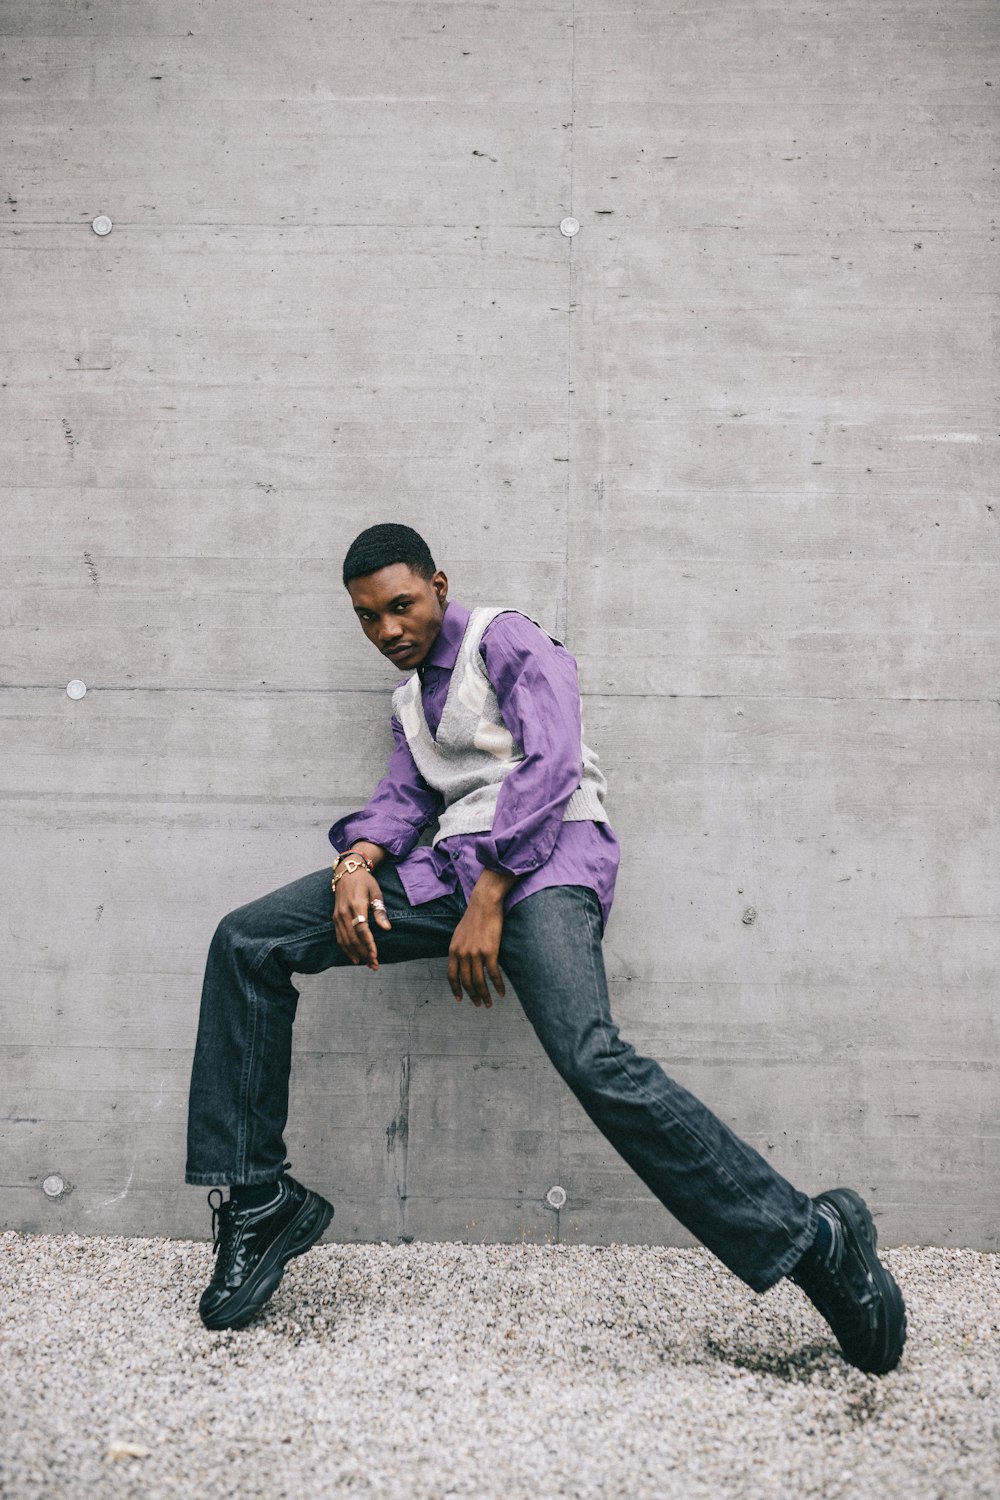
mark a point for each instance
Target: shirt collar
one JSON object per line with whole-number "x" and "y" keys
{"x": 444, "y": 652}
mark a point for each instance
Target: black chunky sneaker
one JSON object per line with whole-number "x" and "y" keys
{"x": 254, "y": 1245}
{"x": 851, "y": 1287}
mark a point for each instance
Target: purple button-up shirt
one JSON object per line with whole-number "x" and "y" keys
{"x": 536, "y": 686}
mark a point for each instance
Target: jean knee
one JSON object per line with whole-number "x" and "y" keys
{"x": 229, "y": 936}
{"x": 590, "y": 1065}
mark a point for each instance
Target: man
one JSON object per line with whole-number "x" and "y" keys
{"x": 519, "y": 880}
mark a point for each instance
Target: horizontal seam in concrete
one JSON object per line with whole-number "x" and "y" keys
{"x": 516, "y": 1063}
{"x": 161, "y": 226}
{"x": 334, "y": 692}
{"x": 159, "y": 799}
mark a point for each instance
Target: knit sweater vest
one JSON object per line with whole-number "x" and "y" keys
{"x": 474, "y": 749}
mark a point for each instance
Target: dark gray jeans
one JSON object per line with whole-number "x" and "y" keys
{"x": 714, "y": 1183}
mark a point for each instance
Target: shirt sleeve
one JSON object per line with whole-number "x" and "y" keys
{"x": 398, "y": 810}
{"x": 537, "y": 690}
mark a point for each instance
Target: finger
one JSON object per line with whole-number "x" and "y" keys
{"x": 359, "y": 951}
{"x": 353, "y": 936}
{"x": 465, "y": 977}
{"x": 493, "y": 970}
{"x": 345, "y": 934}
{"x": 454, "y": 979}
{"x": 365, "y": 941}
{"x": 472, "y": 987}
{"x": 380, "y": 915}
{"x": 479, "y": 978}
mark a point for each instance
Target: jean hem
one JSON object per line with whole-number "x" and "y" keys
{"x": 789, "y": 1260}
{"x": 233, "y": 1179}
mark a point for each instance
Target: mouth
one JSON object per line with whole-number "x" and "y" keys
{"x": 396, "y": 653}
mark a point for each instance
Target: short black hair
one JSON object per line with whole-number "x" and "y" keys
{"x": 381, "y": 546}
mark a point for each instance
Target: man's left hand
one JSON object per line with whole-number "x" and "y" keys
{"x": 474, "y": 954}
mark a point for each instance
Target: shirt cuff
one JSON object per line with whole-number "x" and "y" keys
{"x": 509, "y": 862}
{"x": 395, "y": 837}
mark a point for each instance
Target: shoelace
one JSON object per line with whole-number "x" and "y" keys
{"x": 217, "y": 1224}
{"x": 223, "y": 1217}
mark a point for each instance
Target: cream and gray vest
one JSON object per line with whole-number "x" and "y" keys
{"x": 474, "y": 749}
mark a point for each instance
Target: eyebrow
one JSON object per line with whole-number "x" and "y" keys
{"x": 368, "y": 610}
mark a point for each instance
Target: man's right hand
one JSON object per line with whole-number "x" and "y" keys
{"x": 355, "y": 896}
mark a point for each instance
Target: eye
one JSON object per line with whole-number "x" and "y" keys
{"x": 403, "y": 606}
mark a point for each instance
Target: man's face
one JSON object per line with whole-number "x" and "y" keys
{"x": 400, "y": 612}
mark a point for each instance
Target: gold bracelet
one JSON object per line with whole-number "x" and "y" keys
{"x": 347, "y": 863}
{"x": 353, "y": 853}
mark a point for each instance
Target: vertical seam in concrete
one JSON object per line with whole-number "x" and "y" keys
{"x": 403, "y": 1137}
{"x": 564, "y": 629}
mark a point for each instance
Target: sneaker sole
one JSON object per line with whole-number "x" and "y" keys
{"x": 855, "y": 1214}
{"x": 299, "y": 1236}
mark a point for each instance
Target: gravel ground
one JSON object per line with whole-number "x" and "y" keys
{"x": 465, "y": 1370}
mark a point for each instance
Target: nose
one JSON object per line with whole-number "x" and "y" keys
{"x": 390, "y": 630}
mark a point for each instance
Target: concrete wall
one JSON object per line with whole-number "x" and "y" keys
{"x": 736, "y": 440}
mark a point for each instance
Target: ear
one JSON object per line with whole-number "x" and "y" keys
{"x": 439, "y": 583}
